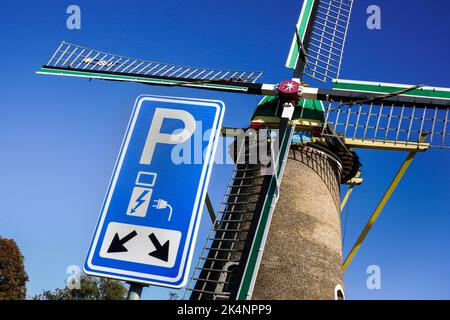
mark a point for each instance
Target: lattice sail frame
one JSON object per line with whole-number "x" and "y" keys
{"x": 391, "y": 123}
{"x": 322, "y": 29}
{"x": 74, "y": 57}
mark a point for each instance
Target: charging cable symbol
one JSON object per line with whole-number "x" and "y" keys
{"x": 141, "y": 196}
{"x": 163, "y": 204}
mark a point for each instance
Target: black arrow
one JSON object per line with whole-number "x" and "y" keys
{"x": 162, "y": 251}
{"x": 117, "y": 244}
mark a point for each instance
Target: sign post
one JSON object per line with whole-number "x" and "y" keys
{"x": 135, "y": 291}
{"x": 149, "y": 221}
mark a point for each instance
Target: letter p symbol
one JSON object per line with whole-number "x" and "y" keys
{"x": 155, "y": 136}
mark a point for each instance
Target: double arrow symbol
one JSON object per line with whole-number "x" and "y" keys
{"x": 161, "y": 252}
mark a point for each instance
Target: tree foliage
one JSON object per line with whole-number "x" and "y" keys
{"x": 90, "y": 288}
{"x": 13, "y": 278}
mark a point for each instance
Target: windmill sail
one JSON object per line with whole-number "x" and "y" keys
{"x": 318, "y": 44}
{"x": 77, "y": 61}
{"x": 396, "y": 115}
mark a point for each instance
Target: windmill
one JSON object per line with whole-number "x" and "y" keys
{"x": 265, "y": 243}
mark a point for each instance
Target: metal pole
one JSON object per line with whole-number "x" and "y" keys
{"x": 135, "y": 291}
{"x": 381, "y": 205}
{"x": 349, "y": 192}
{"x": 353, "y": 182}
{"x": 347, "y": 195}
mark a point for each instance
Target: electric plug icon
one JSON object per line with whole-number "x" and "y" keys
{"x": 163, "y": 204}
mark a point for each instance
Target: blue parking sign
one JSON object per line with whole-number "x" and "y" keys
{"x": 151, "y": 213}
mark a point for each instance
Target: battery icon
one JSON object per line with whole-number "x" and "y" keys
{"x": 141, "y": 195}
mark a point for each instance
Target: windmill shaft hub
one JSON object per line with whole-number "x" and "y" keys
{"x": 288, "y": 91}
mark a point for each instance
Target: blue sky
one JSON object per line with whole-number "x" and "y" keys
{"x": 60, "y": 136}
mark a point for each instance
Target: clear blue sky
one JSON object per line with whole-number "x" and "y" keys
{"x": 60, "y": 136}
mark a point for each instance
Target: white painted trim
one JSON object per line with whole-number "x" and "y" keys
{"x": 309, "y": 93}
{"x": 395, "y": 85}
{"x": 146, "y": 80}
{"x": 269, "y": 89}
{"x": 336, "y": 289}
{"x": 294, "y": 40}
